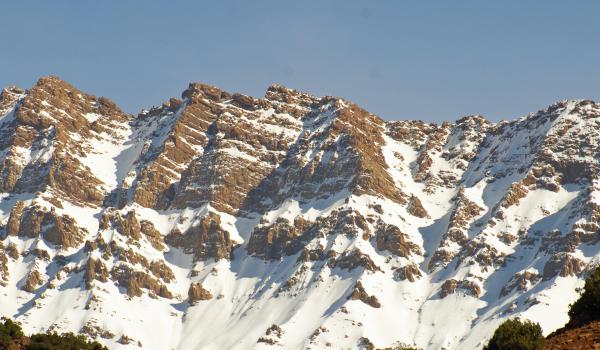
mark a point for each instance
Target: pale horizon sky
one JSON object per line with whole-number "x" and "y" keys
{"x": 426, "y": 60}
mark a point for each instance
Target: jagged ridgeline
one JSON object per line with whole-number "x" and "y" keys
{"x": 221, "y": 221}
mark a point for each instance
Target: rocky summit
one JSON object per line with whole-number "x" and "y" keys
{"x": 223, "y": 221}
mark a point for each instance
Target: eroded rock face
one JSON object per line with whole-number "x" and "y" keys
{"x": 317, "y": 189}
{"x": 279, "y": 239}
{"x": 152, "y": 234}
{"x": 282, "y": 238}
{"x": 390, "y": 238}
{"x": 359, "y": 293}
{"x": 62, "y": 230}
{"x": 12, "y": 251}
{"x": 205, "y": 240}
{"x": 416, "y": 208}
{"x": 45, "y": 120}
{"x": 467, "y": 287}
{"x": 409, "y": 272}
{"x": 128, "y": 224}
{"x": 197, "y": 293}
{"x": 563, "y": 264}
{"x": 522, "y": 281}
{"x": 134, "y": 281}
{"x": 95, "y": 270}
{"x": 34, "y": 221}
{"x": 8, "y": 98}
{"x": 456, "y": 235}
{"x": 4, "y": 273}
{"x": 353, "y": 259}
{"x": 14, "y": 221}
{"x": 33, "y": 280}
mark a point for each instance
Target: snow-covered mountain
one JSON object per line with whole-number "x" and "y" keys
{"x": 220, "y": 221}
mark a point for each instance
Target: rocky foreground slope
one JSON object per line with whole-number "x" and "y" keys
{"x": 220, "y": 221}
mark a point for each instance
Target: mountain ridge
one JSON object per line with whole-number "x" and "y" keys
{"x": 299, "y": 220}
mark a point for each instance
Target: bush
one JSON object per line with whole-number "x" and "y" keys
{"x": 12, "y": 337}
{"x": 587, "y": 308}
{"x": 9, "y": 332}
{"x": 516, "y": 335}
{"x": 67, "y": 341}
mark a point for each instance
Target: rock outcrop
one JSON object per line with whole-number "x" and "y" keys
{"x": 234, "y": 214}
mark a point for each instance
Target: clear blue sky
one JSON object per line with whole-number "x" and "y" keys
{"x": 430, "y": 60}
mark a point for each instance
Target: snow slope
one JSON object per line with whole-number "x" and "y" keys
{"x": 308, "y": 221}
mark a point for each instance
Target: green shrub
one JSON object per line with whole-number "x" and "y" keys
{"x": 587, "y": 308}
{"x": 516, "y": 335}
{"x": 67, "y": 341}
{"x": 9, "y": 331}
{"x": 11, "y": 336}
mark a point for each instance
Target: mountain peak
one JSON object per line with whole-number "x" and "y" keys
{"x": 248, "y": 217}
{"x": 201, "y": 89}
{"x": 280, "y": 93}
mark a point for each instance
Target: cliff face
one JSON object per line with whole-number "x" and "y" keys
{"x": 219, "y": 218}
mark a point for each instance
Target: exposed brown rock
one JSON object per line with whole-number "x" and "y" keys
{"x": 410, "y": 272}
{"x": 436, "y": 139}
{"x": 266, "y": 340}
{"x": 4, "y": 274}
{"x": 461, "y": 217}
{"x": 582, "y": 233}
{"x": 152, "y": 235}
{"x": 133, "y": 281}
{"x": 31, "y": 222}
{"x": 352, "y": 259}
{"x": 441, "y": 257}
{"x": 32, "y": 281}
{"x": 12, "y": 251}
{"x": 521, "y": 281}
{"x": 164, "y": 164}
{"x": 62, "y": 230}
{"x": 95, "y": 270}
{"x": 243, "y": 101}
{"x": 68, "y": 177}
{"x": 274, "y": 330}
{"x": 450, "y": 286}
{"x": 94, "y": 331}
{"x": 38, "y": 253}
{"x": 465, "y": 210}
{"x": 127, "y": 225}
{"x": 415, "y": 207}
{"x": 58, "y": 230}
{"x": 125, "y": 340}
{"x": 279, "y": 239}
{"x": 373, "y": 177}
{"x": 196, "y": 293}
{"x": 586, "y": 337}
{"x": 8, "y": 98}
{"x": 50, "y": 113}
{"x": 205, "y": 240}
{"x": 316, "y": 254}
{"x": 563, "y": 264}
{"x": 390, "y": 238}
{"x": 514, "y": 195}
{"x": 478, "y": 251}
{"x": 14, "y": 221}
{"x": 224, "y": 178}
{"x": 158, "y": 267}
{"x": 359, "y": 293}
{"x": 160, "y": 270}
{"x": 283, "y": 238}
